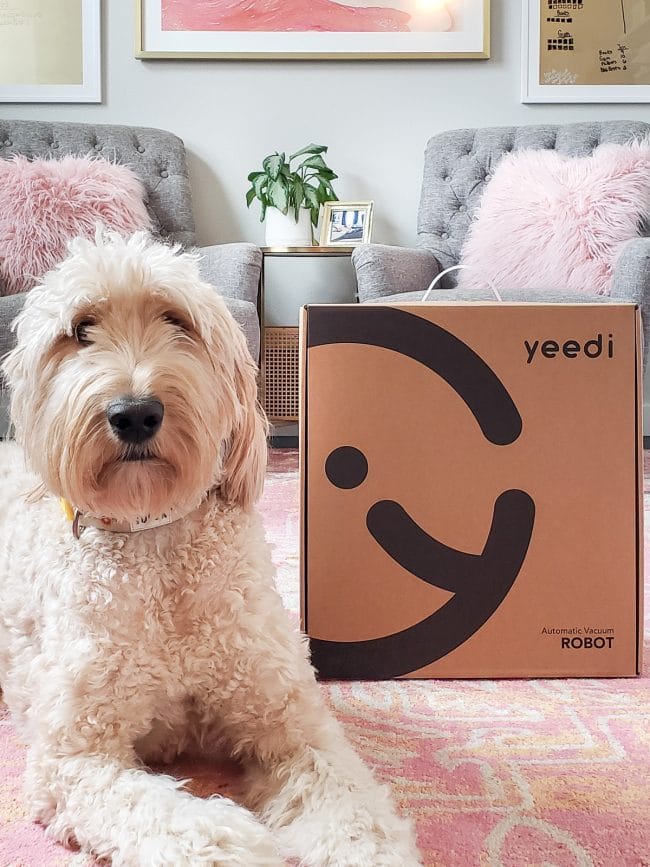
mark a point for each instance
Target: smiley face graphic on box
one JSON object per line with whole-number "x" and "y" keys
{"x": 478, "y": 582}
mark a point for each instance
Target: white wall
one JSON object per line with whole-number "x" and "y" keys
{"x": 375, "y": 116}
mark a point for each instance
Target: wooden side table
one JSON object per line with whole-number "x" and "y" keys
{"x": 279, "y": 349}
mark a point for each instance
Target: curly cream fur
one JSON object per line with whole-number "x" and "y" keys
{"x": 119, "y": 648}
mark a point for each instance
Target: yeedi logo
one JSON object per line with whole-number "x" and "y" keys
{"x": 479, "y": 582}
{"x": 570, "y": 348}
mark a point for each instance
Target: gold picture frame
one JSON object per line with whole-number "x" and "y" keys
{"x": 182, "y": 37}
{"x": 346, "y": 224}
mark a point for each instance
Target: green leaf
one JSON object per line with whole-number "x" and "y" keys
{"x": 254, "y": 175}
{"x": 260, "y": 183}
{"x": 311, "y": 196}
{"x": 309, "y": 149}
{"x": 315, "y": 162}
{"x": 250, "y": 195}
{"x": 279, "y": 195}
{"x": 314, "y": 216}
{"x": 297, "y": 196}
{"x": 263, "y": 213}
{"x": 273, "y": 165}
{"x": 323, "y": 193}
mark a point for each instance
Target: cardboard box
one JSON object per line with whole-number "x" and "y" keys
{"x": 472, "y": 483}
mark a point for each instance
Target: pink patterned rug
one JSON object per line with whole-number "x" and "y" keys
{"x": 494, "y": 773}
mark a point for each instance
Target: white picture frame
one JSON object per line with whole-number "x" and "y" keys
{"x": 154, "y": 41}
{"x": 346, "y": 224}
{"x": 16, "y": 13}
{"x": 533, "y": 91}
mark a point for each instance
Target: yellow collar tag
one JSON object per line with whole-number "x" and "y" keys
{"x": 66, "y": 508}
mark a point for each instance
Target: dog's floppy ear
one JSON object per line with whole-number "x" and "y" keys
{"x": 245, "y": 459}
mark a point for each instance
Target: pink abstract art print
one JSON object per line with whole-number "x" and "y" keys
{"x": 303, "y": 28}
{"x": 311, "y": 15}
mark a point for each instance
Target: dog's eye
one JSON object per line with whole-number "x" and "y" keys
{"x": 80, "y": 331}
{"x": 176, "y": 321}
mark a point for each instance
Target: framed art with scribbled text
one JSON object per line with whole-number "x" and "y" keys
{"x": 586, "y": 51}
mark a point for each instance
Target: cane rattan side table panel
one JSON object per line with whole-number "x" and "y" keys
{"x": 282, "y": 369}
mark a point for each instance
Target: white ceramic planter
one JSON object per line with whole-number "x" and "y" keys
{"x": 283, "y": 231}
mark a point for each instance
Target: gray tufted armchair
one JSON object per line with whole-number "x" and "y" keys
{"x": 158, "y": 157}
{"x": 457, "y": 165}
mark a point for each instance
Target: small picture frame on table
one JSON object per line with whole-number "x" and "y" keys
{"x": 346, "y": 224}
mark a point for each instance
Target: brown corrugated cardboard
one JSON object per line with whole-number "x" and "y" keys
{"x": 471, "y": 490}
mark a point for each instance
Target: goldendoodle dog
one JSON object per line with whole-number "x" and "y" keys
{"x": 146, "y": 622}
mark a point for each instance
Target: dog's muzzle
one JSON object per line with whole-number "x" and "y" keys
{"x": 135, "y": 419}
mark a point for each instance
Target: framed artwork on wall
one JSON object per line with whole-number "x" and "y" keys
{"x": 346, "y": 224}
{"x": 585, "y": 51}
{"x": 312, "y": 29}
{"x": 50, "y": 51}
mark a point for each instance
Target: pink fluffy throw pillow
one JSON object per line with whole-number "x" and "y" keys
{"x": 548, "y": 221}
{"x": 45, "y": 203}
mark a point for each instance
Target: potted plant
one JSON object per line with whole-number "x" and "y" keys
{"x": 291, "y": 197}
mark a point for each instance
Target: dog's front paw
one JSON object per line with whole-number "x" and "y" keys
{"x": 366, "y": 850}
{"x": 375, "y": 850}
{"x": 216, "y": 832}
{"x": 353, "y": 839}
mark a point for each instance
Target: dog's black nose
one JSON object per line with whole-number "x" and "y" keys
{"x": 135, "y": 419}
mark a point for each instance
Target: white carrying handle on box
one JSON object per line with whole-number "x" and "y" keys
{"x": 457, "y": 268}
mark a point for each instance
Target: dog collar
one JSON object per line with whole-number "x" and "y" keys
{"x": 112, "y": 525}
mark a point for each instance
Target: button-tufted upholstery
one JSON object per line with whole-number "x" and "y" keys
{"x": 457, "y": 165}
{"x": 158, "y": 157}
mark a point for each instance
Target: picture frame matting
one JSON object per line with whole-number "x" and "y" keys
{"x": 50, "y": 46}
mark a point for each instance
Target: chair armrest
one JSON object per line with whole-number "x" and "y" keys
{"x": 10, "y": 307}
{"x": 385, "y": 270}
{"x": 631, "y": 282}
{"x": 233, "y": 269}
{"x": 631, "y": 279}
